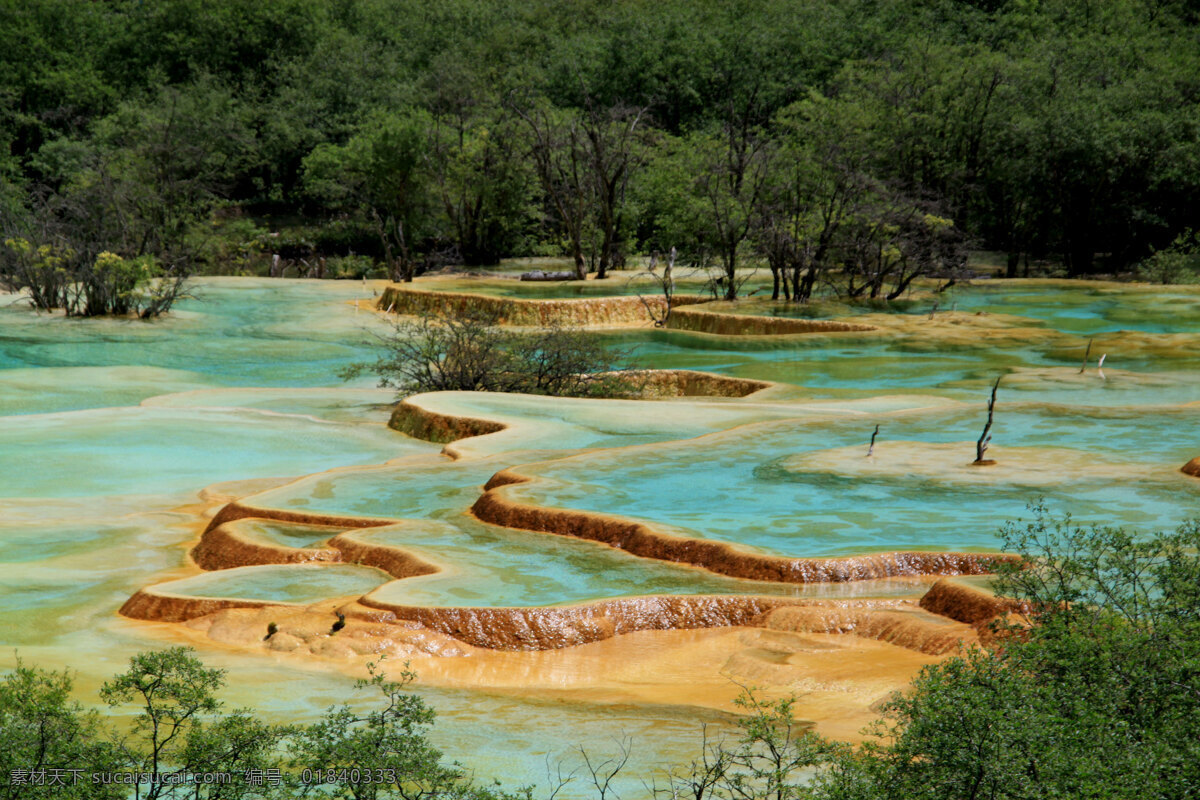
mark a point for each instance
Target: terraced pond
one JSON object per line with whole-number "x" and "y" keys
{"x": 119, "y": 440}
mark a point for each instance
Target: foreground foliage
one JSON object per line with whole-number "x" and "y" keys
{"x": 42, "y": 728}
{"x": 52, "y": 748}
{"x": 1098, "y": 699}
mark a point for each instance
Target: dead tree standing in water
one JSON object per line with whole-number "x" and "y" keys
{"x": 982, "y": 445}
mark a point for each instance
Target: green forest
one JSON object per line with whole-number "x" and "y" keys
{"x": 872, "y": 137}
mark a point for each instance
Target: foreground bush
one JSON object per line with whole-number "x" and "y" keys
{"x": 1177, "y": 263}
{"x": 1098, "y": 699}
{"x": 182, "y": 745}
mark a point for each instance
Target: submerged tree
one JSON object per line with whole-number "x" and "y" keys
{"x": 666, "y": 283}
{"x": 123, "y": 214}
{"x": 58, "y": 277}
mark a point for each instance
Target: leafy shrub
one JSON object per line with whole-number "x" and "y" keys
{"x": 1097, "y": 697}
{"x": 469, "y": 351}
{"x": 1177, "y": 263}
{"x": 59, "y": 277}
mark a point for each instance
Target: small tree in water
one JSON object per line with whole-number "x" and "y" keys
{"x": 59, "y": 277}
{"x": 469, "y": 351}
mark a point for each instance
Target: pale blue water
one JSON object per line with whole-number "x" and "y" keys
{"x": 738, "y": 489}
{"x": 293, "y": 583}
{"x": 233, "y": 332}
{"x": 1078, "y": 309}
{"x": 288, "y": 534}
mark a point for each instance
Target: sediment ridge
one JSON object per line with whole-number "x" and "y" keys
{"x": 622, "y": 311}
{"x": 613, "y": 311}
{"x": 154, "y": 606}
{"x": 722, "y": 324}
{"x": 694, "y": 383}
{"x": 395, "y": 561}
{"x": 433, "y": 426}
{"x": 953, "y": 613}
{"x": 550, "y": 628}
{"x": 968, "y": 604}
{"x": 642, "y": 540}
{"x": 898, "y": 625}
{"x": 239, "y": 510}
{"x": 896, "y": 622}
{"x": 413, "y": 419}
{"x": 224, "y": 547}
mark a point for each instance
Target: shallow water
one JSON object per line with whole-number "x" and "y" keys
{"x": 233, "y": 332}
{"x": 288, "y": 534}
{"x": 294, "y": 583}
{"x": 109, "y": 430}
{"x": 1077, "y": 309}
{"x": 492, "y": 567}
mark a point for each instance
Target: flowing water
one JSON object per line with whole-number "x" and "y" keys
{"x": 111, "y": 430}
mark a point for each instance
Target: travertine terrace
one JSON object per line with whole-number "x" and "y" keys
{"x": 654, "y": 553}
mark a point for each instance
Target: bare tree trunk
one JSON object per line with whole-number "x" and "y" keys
{"x": 985, "y": 438}
{"x": 406, "y": 262}
{"x": 606, "y": 248}
{"x": 731, "y": 287}
{"x": 580, "y": 263}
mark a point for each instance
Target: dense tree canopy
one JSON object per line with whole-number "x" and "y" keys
{"x": 790, "y": 132}
{"x": 1097, "y": 699}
